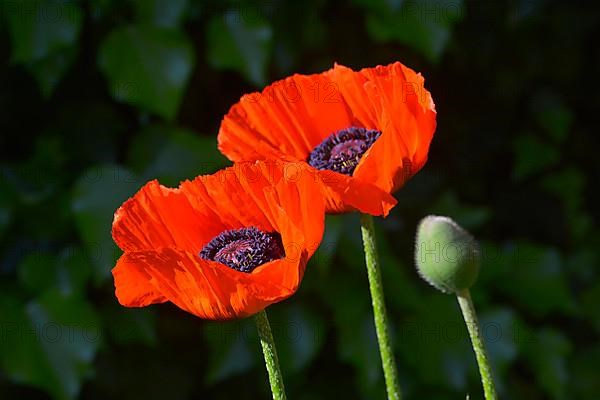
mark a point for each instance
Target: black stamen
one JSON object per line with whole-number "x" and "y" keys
{"x": 244, "y": 249}
{"x": 342, "y": 150}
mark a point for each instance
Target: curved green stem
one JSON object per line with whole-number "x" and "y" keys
{"x": 379, "y": 312}
{"x": 485, "y": 370}
{"x": 270, "y": 354}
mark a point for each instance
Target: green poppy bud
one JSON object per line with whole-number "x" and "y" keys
{"x": 447, "y": 256}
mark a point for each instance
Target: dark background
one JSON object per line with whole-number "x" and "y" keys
{"x": 97, "y": 97}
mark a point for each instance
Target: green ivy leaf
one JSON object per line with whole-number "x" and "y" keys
{"x": 433, "y": 339}
{"x": 299, "y": 335}
{"x": 584, "y": 366}
{"x": 6, "y": 205}
{"x": 96, "y": 196}
{"x": 500, "y": 331}
{"x": 49, "y": 70}
{"x": 589, "y": 302}
{"x": 240, "y": 40}
{"x": 547, "y": 356}
{"x": 552, "y": 115}
{"x": 43, "y": 37}
{"x": 355, "y": 330}
{"x": 165, "y": 13}
{"x": 130, "y": 326}
{"x": 68, "y": 272}
{"x": 233, "y": 346}
{"x": 532, "y": 155}
{"x": 323, "y": 257}
{"x": 172, "y": 154}
{"x": 148, "y": 67}
{"x": 530, "y": 274}
{"x": 424, "y": 25}
{"x": 49, "y": 343}
{"x": 36, "y": 271}
{"x": 468, "y": 216}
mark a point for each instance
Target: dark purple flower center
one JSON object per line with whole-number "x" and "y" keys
{"x": 342, "y": 150}
{"x": 244, "y": 249}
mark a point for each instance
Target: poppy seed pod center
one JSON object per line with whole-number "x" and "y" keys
{"x": 342, "y": 150}
{"x": 244, "y": 249}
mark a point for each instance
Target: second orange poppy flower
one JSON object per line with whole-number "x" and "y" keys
{"x": 364, "y": 133}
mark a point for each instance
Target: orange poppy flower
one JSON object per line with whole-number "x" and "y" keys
{"x": 365, "y": 132}
{"x": 221, "y": 246}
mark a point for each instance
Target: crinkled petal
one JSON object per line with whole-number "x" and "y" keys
{"x": 345, "y": 193}
{"x": 208, "y": 289}
{"x": 157, "y": 216}
{"x": 286, "y": 120}
{"x": 393, "y": 100}
{"x": 134, "y": 287}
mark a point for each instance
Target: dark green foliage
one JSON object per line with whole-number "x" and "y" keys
{"x": 98, "y": 97}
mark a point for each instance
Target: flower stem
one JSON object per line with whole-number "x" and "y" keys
{"x": 270, "y": 354}
{"x": 379, "y": 312}
{"x": 485, "y": 370}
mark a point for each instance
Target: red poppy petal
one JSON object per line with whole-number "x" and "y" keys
{"x": 134, "y": 287}
{"x": 158, "y": 216}
{"x": 300, "y": 193}
{"x": 291, "y": 199}
{"x": 393, "y": 100}
{"x": 208, "y": 289}
{"x": 286, "y": 120}
{"x": 344, "y": 193}
{"x": 408, "y": 112}
{"x": 280, "y": 279}
{"x": 232, "y": 195}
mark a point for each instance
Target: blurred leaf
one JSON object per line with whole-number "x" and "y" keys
{"x": 424, "y": 25}
{"x": 130, "y": 326}
{"x": 96, "y": 196}
{"x": 299, "y": 335}
{"x": 435, "y": 338}
{"x": 500, "y": 329}
{"x": 547, "y": 356}
{"x": 530, "y": 274}
{"x": 172, "y": 154}
{"x": 468, "y": 216}
{"x": 91, "y": 131}
{"x": 41, "y": 175}
{"x": 73, "y": 271}
{"x": 298, "y": 29}
{"x": 567, "y": 184}
{"x": 589, "y": 302}
{"x": 43, "y": 37}
{"x": 148, "y": 67}
{"x": 49, "y": 70}
{"x": 584, "y": 367}
{"x": 36, "y": 271}
{"x": 380, "y": 5}
{"x": 49, "y": 343}
{"x": 165, "y": 13}
{"x": 532, "y": 155}
{"x": 6, "y": 204}
{"x": 400, "y": 293}
{"x": 233, "y": 347}
{"x": 349, "y": 303}
{"x": 240, "y": 40}
{"x": 67, "y": 273}
{"x": 323, "y": 257}
{"x": 553, "y": 115}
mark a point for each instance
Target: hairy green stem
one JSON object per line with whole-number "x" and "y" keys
{"x": 379, "y": 312}
{"x": 485, "y": 370}
{"x": 270, "y": 354}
